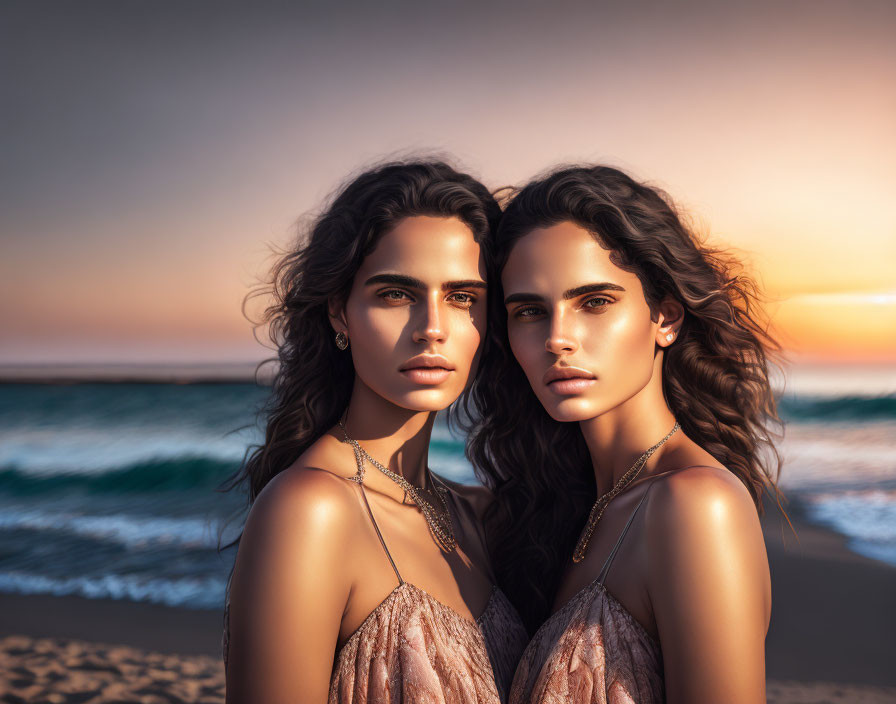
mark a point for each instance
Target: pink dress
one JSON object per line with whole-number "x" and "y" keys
{"x": 591, "y": 651}
{"x": 413, "y": 649}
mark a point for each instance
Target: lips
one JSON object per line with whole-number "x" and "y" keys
{"x": 427, "y": 369}
{"x": 568, "y": 381}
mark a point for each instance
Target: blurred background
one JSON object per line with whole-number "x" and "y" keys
{"x": 153, "y": 153}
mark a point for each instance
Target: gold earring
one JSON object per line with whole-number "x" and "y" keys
{"x": 342, "y": 340}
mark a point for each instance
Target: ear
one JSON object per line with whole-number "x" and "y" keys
{"x": 670, "y": 315}
{"x": 336, "y": 313}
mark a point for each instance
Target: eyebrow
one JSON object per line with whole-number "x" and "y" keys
{"x": 571, "y": 293}
{"x": 411, "y": 282}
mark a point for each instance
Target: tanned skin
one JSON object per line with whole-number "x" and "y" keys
{"x": 692, "y": 570}
{"x": 310, "y": 568}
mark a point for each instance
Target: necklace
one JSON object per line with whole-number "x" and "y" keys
{"x": 598, "y": 509}
{"x": 439, "y": 521}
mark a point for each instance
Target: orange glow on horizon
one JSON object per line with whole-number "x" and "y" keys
{"x": 834, "y": 327}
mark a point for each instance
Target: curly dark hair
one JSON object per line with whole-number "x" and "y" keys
{"x": 715, "y": 376}
{"x": 313, "y": 380}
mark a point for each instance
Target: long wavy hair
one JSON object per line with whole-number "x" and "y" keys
{"x": 313, "y": 379}
{"x": 715, "y": 376}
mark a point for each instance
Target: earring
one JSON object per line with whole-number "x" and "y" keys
{"x": 341, "y": 340}
{"x": 670, "y": 337}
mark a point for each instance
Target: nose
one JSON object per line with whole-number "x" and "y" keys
{"x": 560, "y": 340}
{"x": 432, "y": 325}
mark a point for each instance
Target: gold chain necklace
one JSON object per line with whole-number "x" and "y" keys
{"x": 598, "y": 509}
{"x": 439, "y": 521}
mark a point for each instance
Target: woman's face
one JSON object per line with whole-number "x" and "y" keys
{"x": 579, "y": 325}
{"x": 415, "y": 315}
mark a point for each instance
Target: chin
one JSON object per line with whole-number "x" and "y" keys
{"x": 571, "y": 410}
{"x": 427, "y": 399}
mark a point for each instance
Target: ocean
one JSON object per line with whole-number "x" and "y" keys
{"x": 109, "y": 490}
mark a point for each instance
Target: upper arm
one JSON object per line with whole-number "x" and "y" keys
{"x": 289, "y": 589}
{"x": 709, "y": 587}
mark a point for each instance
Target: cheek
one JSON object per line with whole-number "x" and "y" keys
{"x": 614, "y": 334}
{"x": 374, "y": 336}
{"x": 378, "y": 326}
{"x": 623, "y": 345}
{"x": 527, "y": 346}
{"x": 468, "y": 331}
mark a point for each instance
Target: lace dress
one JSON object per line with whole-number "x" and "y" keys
{"x": 591, "y": 651}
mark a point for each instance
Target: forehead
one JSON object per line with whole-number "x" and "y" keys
{"x": 433, "y": 249}
{"x": 553, "y": 259}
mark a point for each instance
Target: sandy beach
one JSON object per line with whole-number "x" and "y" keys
{"x": 831, "y": 639}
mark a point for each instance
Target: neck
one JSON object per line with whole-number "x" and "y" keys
{"x": 617, "y": 438}
{"x": 394, "y": 436}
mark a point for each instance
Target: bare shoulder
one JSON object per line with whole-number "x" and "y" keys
{"x": 703, "y": 520}
{"x": 695, "y": 507}
{"x": 699, "y": 494}
{"x": 478, "y": 497}
{"x": 303, "y": 503}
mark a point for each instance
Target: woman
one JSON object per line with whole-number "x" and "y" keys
{"x": 623, "y": 446}
{"x": 361, "y": 575}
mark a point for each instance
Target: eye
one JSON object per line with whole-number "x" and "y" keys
{"x": 394, "y": 295}
{"x": 463, "y": 299}
{"x": 593, "y": 303}
{"x": 527, "y": 312}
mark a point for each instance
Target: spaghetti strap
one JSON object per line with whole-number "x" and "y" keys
{"x": 359, "y": 480}
{"x": 378, "y": 534}
{"x": 605, "y": 570}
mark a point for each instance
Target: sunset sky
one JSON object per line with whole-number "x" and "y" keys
{"x": 153, "y": 150}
